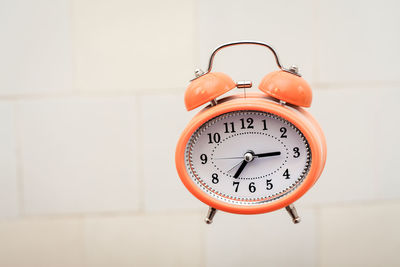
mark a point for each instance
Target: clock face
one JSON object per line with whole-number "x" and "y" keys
{"x": 247, "y": 157}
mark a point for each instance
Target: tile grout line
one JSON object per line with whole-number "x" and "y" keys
{"x": 84, "y": 250}
{"x": 196, "y": 61}
{"x": 178, "y": 89}
{"x": 196, "y": 34}
{"x": 19, "y": 164}
{"x": 316, "y": 38}
{"x": 318, "y": 232}
{"x": 203, "y": 244}
{"x": 73, "y": 48}
{"x": 140, "y": 150}
{"x": 83, "y": 216}
{"x": 75, "y": 90}
{"x": 82, "y": 93}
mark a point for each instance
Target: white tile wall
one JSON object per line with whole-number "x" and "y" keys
{"x": 79, "y": 154}
{"x": 97, "y": 90}
{"x": 154, "y": 240}
{"x": 358, "y": 41}
{"x": 345, "y": 116}
{"x": 262, "y": 240}
{"x": 360, "y": 235}
{"x": 361, "y": 130}
{"x": 286, "y": 25}
{"x": 35, "y": 47}
{"x": 387, "y": 144}
{"x": 133, "y": 45}
{"x": 41, "y": 242}
{"x": 8, "y": 162}
{"x": 163, "y": 118}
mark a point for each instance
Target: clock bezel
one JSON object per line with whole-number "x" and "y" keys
{"x": 255, "y": 102}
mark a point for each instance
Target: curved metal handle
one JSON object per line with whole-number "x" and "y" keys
{"x": 198, "y": 72}
{"x": 210, "y": 63}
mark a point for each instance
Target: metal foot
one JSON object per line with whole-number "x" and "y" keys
{"x": 210, "y": 215}
{"x": 293, "y": 213}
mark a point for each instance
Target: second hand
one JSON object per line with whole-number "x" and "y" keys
{"x": 230, "y": 158}
{"x": 234, "y": 166}
{"x": 261, "y": 155}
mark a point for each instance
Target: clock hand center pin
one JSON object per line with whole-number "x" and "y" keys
{"x": 248, "y": 157}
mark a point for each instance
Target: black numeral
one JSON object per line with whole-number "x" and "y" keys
{"x": 264, "y": 124}
{"x": 283, "y": 131}
{"x": 203, "y": 158}
{"x": 237, "y": 186}
{"x": 269, "y": 184}
{"x": 214, "y": 178}
{"x": 227, "y": 127}
{"x": 214, "y": 138}
{"x": 249, "y": 123}
{"x": 286, "y": 174}
{"x": 296, "y": 152}
{"x": 252, "y": 188}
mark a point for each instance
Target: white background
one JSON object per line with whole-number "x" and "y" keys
{"x": 87, "y": 174}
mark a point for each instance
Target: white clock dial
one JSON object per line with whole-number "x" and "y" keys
{"x": 247, "y": 157}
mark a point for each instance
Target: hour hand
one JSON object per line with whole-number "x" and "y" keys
{"x": 241, "y": 167}
{"x": 269, "y": 154}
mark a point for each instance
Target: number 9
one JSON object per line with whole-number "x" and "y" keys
{"x": 203, "y": 158}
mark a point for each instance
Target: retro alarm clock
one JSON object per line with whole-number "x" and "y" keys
{"x": 250, "y": 153}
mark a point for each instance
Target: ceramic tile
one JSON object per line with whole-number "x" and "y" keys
{"x": 286, "y": 25}
{"x": 79, "y": 154}
{"x": 8, "y": 162}
{"x": 387, "y": 144}
{"x": 361, "y": 127}
{"x": 261, "y": 240}
{"x": 347, "y": 117}
{"x": 153, "y": 240}
{"x": 41, "y": 242}
{"x": 35, "y": 50}
{"x": 360, "y": 235}
{"x": 131, "y": 45}
{"x": 358, "y": 41}
{"x": 163, "y": 118}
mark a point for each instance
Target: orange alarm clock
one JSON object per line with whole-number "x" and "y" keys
{"x": 250, "y": 153}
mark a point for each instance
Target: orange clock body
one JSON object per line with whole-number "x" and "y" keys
{"x": 256, "y": 102}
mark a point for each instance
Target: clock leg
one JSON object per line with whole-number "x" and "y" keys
{"x": 210, "y": 215}
{"x": 293, "y": 213}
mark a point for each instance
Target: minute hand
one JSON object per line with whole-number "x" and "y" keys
{"x": 269, "y": 154}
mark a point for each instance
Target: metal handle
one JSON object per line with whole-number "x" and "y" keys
{"x": 293, "y": 69}
{"x": 241, "y": 43}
